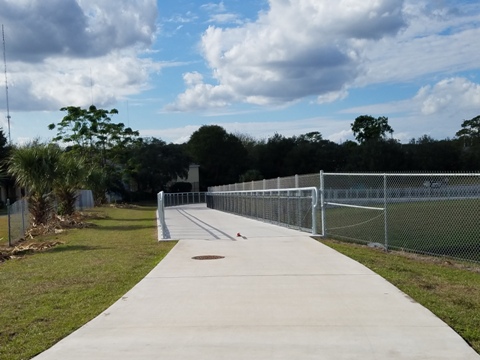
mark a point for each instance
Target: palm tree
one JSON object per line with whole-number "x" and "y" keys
{"x": 97, "y": 181}
{"x": 71, "y": 175}
{"x": 34, "y": 167}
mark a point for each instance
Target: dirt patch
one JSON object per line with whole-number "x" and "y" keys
{"x": 59, "y": 224}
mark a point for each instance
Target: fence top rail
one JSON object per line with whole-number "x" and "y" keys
{"x": 311, "y": 188}
{"x": 404, "y": 174}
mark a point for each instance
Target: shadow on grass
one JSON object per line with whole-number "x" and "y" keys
{"x": 66, "y": 248}
{"x": 123, "y": 220}
{"x": 125, "y": 227}
{"x": 137, "y": 207}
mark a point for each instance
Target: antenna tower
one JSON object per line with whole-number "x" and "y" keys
{"x": 6, "y": 85}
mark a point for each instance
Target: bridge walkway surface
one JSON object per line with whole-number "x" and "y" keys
{"x": 276, "y": 293}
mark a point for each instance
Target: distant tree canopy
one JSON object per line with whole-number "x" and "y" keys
{"x": 151, "y": 164}
{"x": 3, "y": 140}
{"x": 470, "y": 132}
{"x": 367, "y": 128}
{"x": 221, "y": 156}
{"x": 90, "y": 133}
{"x": 119, "y": 160}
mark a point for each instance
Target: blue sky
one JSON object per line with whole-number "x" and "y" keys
{"x": 255, "y": 67}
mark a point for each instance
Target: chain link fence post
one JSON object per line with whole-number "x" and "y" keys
{"x": 23, "y": 209}
{"x": 322, "y": 203}
{"x": 9, "y": 224}
{"x": 385, "y": 201}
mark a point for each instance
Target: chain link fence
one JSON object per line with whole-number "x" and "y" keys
{"x": 18, "y": 216}
{"x": 18, "y": 220}
{"x": 433, "y": 214}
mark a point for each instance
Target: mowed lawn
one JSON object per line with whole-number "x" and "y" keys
{"x": 3, "y": 230}
{"x": 47, "y": 295}
{"x": 447, "y": 228}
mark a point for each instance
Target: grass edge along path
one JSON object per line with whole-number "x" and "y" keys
{"x": 47, "y": 295}
{"x": 449, "y": 289}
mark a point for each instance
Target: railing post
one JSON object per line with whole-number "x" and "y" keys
{"x": 314, "y": 211}
{"x": 288, "y": 208}
{"x": 322, "y": 203}
{"x": 385, "y": 209}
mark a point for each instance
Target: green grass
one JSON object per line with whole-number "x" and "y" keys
{"x": 47, "y": 295}
{"x": 446, "y": 228}
{"x": 3, "y": 230}
{"x": 451, "y": 290}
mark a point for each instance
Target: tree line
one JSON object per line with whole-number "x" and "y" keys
{"x": 228, "y": 158}
{"x": 91, "y": 151}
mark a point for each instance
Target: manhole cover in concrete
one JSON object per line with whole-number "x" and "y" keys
{"x": 208, "y": 257}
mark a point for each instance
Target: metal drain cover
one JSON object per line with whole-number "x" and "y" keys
{"x": 207, "y": 257}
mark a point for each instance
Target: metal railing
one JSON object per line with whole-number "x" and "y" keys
{"x": 433, "y": 214}
{"x": 161, "y": 225}
{"x": 294, "y": 208}
{"x": 176, "y": 199}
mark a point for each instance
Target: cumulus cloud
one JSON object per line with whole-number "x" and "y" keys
{"x": 331, "y": 129}
{"x": 451, "y": 95}
{"x": 436, "y": 109}
{"x": 446, "y": 97}
{"x": 440, "y": 38}
{"x": 293, "y": 50}
{"x": 37, "y": 29}
{"x": 198, "y": 94}
{"x": 73, "y": 52}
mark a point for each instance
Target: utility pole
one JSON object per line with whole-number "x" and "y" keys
{"x": 6, "y": 85}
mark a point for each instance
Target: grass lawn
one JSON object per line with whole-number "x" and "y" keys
{"x": 451, "y": 290}
{"x": 47, "y": 295}
{"x": 3, "y": 230}
{"x": 443, "y": 227}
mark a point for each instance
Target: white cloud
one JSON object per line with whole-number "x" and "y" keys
{"x": 214, "y": 7}
{"x": 225, "y": 19}
{"x": 436, "y": 110}
{"x": 293, "y": 50}
{"x": 451, "y": 95}
{"x": 200, "y": 96}
{"x": 193, "y": 78}
{"x": 341, "y": 136}
{"x": 331, "y": 129}
{"x": 178, "y": 135}
{"x": 440, "y": 38}
{"x": 319, "y": 48}
{"x": 332, "y": 96}
{"x": 38, "y": 29}
{"x": 70, "y": 52}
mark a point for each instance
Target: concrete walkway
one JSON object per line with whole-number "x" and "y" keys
{"x": 276, "y": 294}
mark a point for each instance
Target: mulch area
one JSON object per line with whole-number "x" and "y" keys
{"x": 57, "y": 225}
